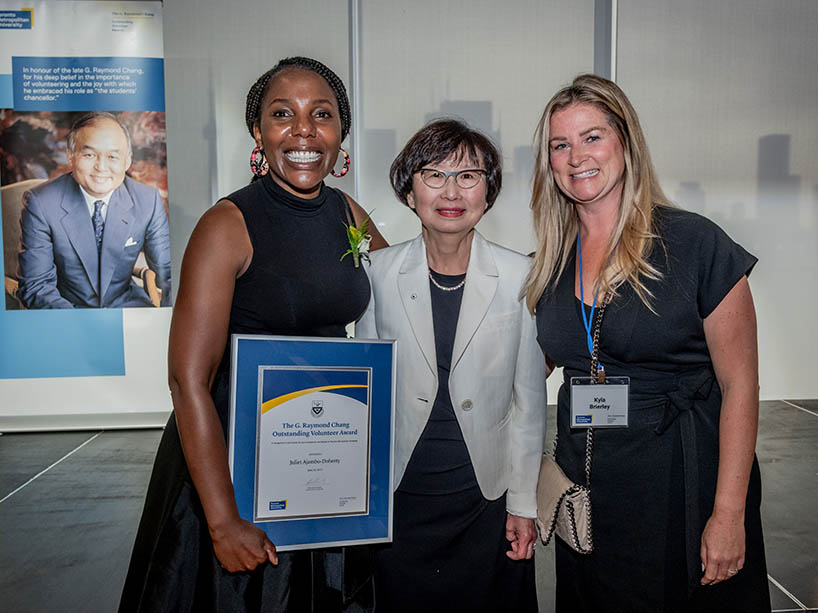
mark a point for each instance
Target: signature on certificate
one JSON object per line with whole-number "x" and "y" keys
{"x": 316, "y": 484}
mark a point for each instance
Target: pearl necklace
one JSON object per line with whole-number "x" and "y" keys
{"x": 445, "y": 288}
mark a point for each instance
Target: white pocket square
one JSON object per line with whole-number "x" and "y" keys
{"x": 130, "y": 242}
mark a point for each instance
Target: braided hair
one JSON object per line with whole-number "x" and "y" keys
{"x": 256, "y": 92}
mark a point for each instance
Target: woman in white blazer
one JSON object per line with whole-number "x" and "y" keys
{"x": 470, "y": 413}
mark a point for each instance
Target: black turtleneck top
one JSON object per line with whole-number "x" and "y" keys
{"x": 296, "y": 284}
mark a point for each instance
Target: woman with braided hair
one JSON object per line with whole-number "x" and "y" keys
{"x": 264, "y": 260}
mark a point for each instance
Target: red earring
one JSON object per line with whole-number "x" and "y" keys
{"x": 258, "y": 163}
{"x": 345, "y": 169}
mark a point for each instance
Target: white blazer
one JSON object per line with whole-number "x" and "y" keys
{"x": 497, "y": 379}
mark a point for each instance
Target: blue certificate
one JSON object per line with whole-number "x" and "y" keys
{"x": 310, "y": 438}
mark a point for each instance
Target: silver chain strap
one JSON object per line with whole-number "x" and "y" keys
{"x": 596, "y": 377}
{"x": 589, "y": 433}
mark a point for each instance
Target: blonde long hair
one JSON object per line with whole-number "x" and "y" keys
{"x": 555, "y": 217}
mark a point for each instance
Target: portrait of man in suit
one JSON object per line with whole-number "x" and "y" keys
{"x": 81, "y": 233}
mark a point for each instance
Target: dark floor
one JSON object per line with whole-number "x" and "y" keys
{"x": 70, "y": 503}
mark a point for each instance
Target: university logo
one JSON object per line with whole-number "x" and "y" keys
{"x": 317, "y": 408}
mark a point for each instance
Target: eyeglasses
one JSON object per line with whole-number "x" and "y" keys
{"x": 466, "y": 179}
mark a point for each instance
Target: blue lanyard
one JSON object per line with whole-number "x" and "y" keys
{"x": 585, "y": 320}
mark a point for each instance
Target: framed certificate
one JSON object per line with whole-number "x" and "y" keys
{"x": 310, "y": 438}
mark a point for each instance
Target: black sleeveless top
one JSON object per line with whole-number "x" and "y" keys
{"x": 296, "y": 284}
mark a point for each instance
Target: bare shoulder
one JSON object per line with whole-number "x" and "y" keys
{"x": 356, "y": 208}
{"x": 221, "y": 222}
{"x": 378, "y": 241}
{"x": 223, "y": 216}
{"x": 221, "y": 233}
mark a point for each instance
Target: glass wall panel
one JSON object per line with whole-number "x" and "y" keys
{"x": 728, "y": 95}
{"x": 493, "y": 65}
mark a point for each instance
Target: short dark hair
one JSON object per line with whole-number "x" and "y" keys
{"x": 89, "y": 119}
{"x": 438, "y": 141}
{"x": 256, "y": 93}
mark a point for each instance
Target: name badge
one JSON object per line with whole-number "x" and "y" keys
{"x": 599, "y": 405}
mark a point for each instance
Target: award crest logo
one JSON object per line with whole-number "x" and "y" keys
{"x": 317, "y": 408}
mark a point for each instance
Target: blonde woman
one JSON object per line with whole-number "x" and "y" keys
{"x": 659, "y": 295}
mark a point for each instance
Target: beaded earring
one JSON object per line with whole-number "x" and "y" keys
{"x": 345, "y": 169}
{"x": 258, "y": 163}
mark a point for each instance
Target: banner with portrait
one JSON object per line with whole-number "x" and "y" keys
{"x": 85, "y": 229}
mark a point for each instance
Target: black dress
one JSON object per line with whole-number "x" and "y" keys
{"x": 653, "y": 484}
{"x": 448, "y": 550}
{"x": 295, "y": 285}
